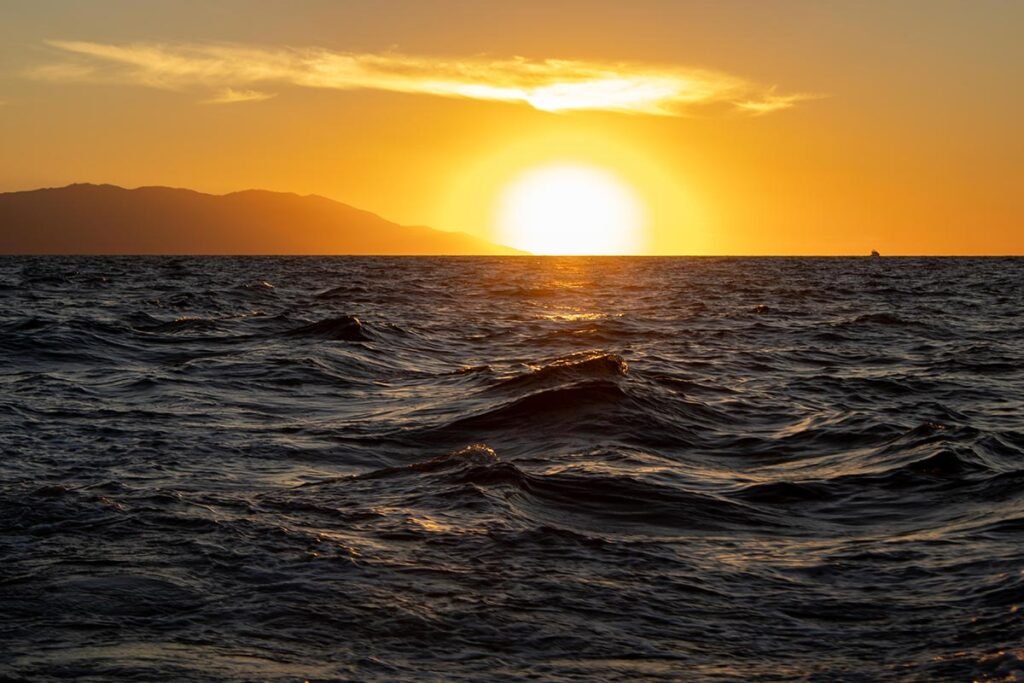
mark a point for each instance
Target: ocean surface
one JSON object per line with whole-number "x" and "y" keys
{"x": 471, "y": 469}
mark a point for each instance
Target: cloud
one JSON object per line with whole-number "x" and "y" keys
{"x": 231, "y": 96}
{"x": 62, "y": 72}
{"x": 770, "y": 102}
{"x": 553, "y": 85}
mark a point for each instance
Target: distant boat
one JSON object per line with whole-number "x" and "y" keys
{"x": 875, "y": 254}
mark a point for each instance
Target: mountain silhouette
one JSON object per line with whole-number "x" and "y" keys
{"x": 106, "y": 219}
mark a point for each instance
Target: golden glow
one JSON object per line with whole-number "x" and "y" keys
{"x": 672, "y": 216}
{"x": 570, "y": 209}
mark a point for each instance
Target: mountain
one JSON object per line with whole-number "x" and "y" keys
{"x": 105, "y": 219}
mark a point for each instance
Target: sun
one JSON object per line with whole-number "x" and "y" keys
{"x": 570, "y": 208}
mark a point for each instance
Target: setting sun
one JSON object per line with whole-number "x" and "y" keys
{"x": 570, "y": 209}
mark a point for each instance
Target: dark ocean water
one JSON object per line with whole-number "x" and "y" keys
{"x": 525, "y": 468}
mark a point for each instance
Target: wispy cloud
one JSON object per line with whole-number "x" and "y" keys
{"x": 549, "y": 85}
{"x": 771, "y": 102}
{"x": 231, "y": 96}
{"x": 63, "y": 71}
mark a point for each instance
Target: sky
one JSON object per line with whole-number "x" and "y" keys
{"x": 739, "y": 127}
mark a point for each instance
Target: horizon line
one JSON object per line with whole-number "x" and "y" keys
{"x": 524, "y": 255}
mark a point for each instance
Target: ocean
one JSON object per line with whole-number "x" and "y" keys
{"x": 471, "y": 469}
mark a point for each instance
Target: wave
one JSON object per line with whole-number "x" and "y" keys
{"x": 28, "y": 325}
{"x": 930, "y": 457}
{"x": 568, "y": 499}
{"x": 577, "y": 367}
{"x": 881, "y": 320}
{"x": 342, "y": 291}
{"x": 257, "y": 286}
{"x": 943, "y": 470}
{"x": 576, "y": 401}
{"x": 344, "y": 328}
{"x": 183, "y": 325}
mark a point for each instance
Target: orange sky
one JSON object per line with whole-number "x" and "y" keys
{"x": 743, "y": 127}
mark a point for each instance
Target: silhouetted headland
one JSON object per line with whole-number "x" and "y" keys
{"x": 106, "y": 219}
